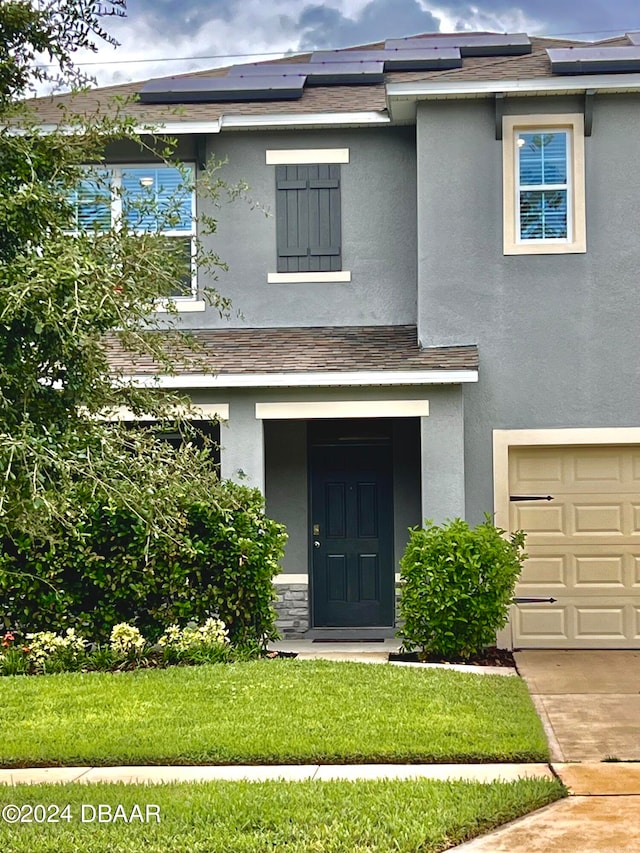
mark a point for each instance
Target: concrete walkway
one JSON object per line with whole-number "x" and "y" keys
{"x": 371, "y": 653}
{"x": 589, "y": 702}
{"x": 600, "y": 816}
{"x": 289, "y": 772}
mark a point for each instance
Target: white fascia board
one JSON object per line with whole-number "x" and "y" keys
{"x": 544, "y": 85}
{"x": 306, "y": 380}
{"x": 172, "y": 127}
{"x": 178, "y": 127}
{"x": 247, "y": 122}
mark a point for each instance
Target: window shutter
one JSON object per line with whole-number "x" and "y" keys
{"x": 308, "y": 218}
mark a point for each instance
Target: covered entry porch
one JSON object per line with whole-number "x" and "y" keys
{"x": 354, "y": 434}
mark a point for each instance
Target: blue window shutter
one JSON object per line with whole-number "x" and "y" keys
{"x": 308, "y": 218}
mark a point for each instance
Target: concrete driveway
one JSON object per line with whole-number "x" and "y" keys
{"x": 588, "y": 701}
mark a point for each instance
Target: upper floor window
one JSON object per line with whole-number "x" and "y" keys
{"x": 157, "y": 198}
{"x": 544, "y": 198}
{"x": 308, "y": 215}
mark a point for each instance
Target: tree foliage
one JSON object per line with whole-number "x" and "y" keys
{"x": 67, "y": 293}
{"x": 38, "y": 40}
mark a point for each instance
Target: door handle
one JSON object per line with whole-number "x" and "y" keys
{"x": 316, "y": 544}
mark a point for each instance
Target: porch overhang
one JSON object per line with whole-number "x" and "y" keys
{"x": 301, "y": 357}
{"x": 306, "y": 380}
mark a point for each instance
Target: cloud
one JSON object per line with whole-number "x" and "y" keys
{"x": 588, "y": 19}
{"x": 207, "y": 31}
{"x": 323, "y": 26}
{"x": 166, "y": 17}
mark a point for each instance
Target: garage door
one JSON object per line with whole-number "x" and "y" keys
{"x": 583, "y": 546}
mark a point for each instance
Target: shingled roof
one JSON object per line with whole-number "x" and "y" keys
{"x": 302, "y": 350}
{"x": 317, "y": 99}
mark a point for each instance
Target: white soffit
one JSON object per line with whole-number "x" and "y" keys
{"x": 305, "y": 380}
{"x": 343, "y": 409}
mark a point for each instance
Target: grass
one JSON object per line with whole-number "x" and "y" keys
{"x": 265, "y": 712}
{"x": 381, "y": 816}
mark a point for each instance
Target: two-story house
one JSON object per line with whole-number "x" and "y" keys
{"x": 439, "y": 317}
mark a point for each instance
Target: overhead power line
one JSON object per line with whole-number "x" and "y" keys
{"x": 279, "y": 53}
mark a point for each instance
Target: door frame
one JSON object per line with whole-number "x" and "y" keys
{"x": 325, "y": 434}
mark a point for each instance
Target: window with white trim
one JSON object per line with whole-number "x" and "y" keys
{"x": 155, "y": 198}
{"x": 544, "y": 195}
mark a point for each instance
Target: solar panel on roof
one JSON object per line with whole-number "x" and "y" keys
{"x": 587, "y": 60}
{"x": 471, "y": 44}
{"x": 330, "y": 73}
{"x": 183, "y": 90}
{"x": 336, "y": 73}
{"x": 260, "y": 69}
{"x": 397, "y": 59}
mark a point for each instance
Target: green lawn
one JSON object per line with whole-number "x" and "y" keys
{"x": 279, "y": 817}
{"x": 278, "y": 711}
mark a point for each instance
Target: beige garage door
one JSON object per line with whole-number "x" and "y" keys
{"x": 583, "y": 546}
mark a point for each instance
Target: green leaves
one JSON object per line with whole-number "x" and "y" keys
{"x": 220, "y": 559}
{"x": 457, "y": 585}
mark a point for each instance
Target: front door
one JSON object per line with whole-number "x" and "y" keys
{"x": 352, "y": 535}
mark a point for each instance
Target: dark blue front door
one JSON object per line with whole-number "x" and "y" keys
{"x": 352, "y": 536}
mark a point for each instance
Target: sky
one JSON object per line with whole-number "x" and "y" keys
{"x": 159, "y": 38}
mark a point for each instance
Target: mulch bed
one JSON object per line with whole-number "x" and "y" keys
{"x": 272, "y": 655}
{"x": 491, "y": 656}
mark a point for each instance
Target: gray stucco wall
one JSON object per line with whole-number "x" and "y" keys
{"x": 286, "y": 487}
{"x": 433, "y": 488}
{"x": 557, "y": 334}
{"x": 378, "y": 233}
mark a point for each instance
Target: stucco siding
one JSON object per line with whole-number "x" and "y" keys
{"x": 557, "y": 334}
{"x": 378, "y": 194}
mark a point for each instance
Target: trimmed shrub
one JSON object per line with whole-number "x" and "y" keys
{"x": 218, "y": 560}
{"x": 457, "y": 585}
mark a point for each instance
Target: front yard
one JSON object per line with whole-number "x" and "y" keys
{"x": 268, "y": 712}
{"x": 278, "y": 817}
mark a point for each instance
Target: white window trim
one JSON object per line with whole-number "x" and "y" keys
{"x": 308, "y": 277}
{"x": 182, "y": 303}
{"x": 300, "y": 156}
{"x": 576, "y": 242}
{"x": 198, "y": 412}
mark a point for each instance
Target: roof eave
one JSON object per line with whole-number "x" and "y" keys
{"x": 402, "y": 97}
{"x": 324, "y": 379}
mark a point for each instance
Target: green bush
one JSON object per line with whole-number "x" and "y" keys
{"x": 219, "y": 559}
{"x": 457, "y": 585}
